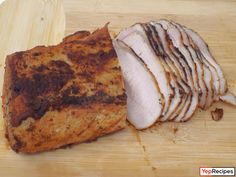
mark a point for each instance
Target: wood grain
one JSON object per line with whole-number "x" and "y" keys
{"x": 169, "y": 149}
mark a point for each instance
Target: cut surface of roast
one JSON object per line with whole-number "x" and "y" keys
{"x": 138, "y": 41}
{"x": 176, "y": 63}
{"x": 144, "y": 101}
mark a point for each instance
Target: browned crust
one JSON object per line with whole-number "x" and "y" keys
{"x": 76, "y": 36}
{"x": 50, "y": 84}
{"x": 81, "y": 74}
{"x": 72, "y": 125}
{"x": 6, "y": 95}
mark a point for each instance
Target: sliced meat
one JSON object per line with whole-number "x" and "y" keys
{"x": 185, "y": 110}
{"x": 199, "y": 66}
{"x": 215, "y": 84}
{"x": 214, "y": 88}
{"x": 209, "y": 83}
{"x": 206, "y": 76}
{"x": 185, "y": 93}
{"x": 180, "y": 109}
{"x": 184, "y": 57}
{"x": 177, "y": 89}
{"x": 180, "y": 99}
{"x": 229, "y": 98}
{"x": 144, "y": 98}
{"x": 192, "y": 101}
{"x": 138, "y": 41}
{"x": 173, "y": 64}
{"x": 219, "y": 81}
{"x": 176, "y": 100}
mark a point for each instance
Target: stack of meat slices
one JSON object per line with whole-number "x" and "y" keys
{"x": 169, "y": 73}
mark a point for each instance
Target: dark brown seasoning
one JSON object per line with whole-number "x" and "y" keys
{"x": 18, "y": 144}
{"x": 71, "y": 97}
{"x": 37, "y": 88}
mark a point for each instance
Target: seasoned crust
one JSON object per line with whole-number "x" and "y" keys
{"x": 82, "y": 73}
{"x": 68, "y": 126}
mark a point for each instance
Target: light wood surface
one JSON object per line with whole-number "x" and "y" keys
{"x": 169, "y": 149}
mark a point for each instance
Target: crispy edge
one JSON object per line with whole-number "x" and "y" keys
{"x": 7, "y": 94}
{"x": 91, "y": 131}
{"x": 6, "y": 98}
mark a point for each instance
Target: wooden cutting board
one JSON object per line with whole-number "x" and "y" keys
{"x": 168, "y": 149}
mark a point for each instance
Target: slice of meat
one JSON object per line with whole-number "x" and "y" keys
{"x": 213, "y": 75}
{"x": 175, "y": 99}
{"x": 182, "y": 115}
{"x": 180, "y": 109}
{"x": 144, "y": 98}
{"x": 138, "y": 41}
{"x": 175, "y": 85}
{"x": 180, "y": 51}
{"x": 170, "y": 60}
{"x": 185, "y": 95}
{"x": 214, "y": 80}
{"x": 179, "y": 100}
{"x": 184, "y": 57}
{"x": 229, "y": 98}
{"x": 207, "y": 76}
{"x": 175, "y": 65}
{"x": 199, "y": 66}
{"x": 192, "y": 101}
{"x": 209, "y": 83}
{"x": 219, "y": 80}
{"x": 183, "y": 53}
{"x": 213, "y": 88}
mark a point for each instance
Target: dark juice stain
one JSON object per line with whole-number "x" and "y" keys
{"x": 175, "y": 129}
{"x": 144, "y": 148}
{"x": 139, "y": 140}
{"x": 135, "y": 133}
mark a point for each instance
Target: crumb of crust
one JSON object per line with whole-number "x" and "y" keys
{"x": 217, "y": 114}
{"x": 154, "y": 168}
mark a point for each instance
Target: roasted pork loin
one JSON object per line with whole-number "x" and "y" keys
{"x": 65, "y": 94}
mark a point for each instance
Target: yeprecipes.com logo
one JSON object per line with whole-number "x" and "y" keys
{"x": 216, "y": 171}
